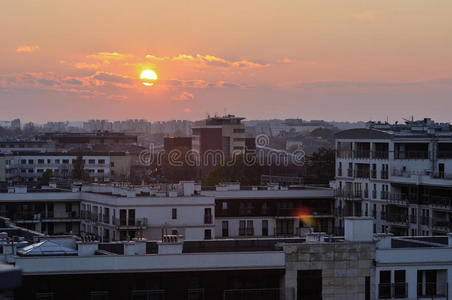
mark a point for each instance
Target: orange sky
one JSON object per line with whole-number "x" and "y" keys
{"x": 329, "y": 59}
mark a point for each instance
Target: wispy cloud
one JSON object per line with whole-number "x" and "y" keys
{"x": 185, "y": 96}
{"x": 209, "y": 60}
{"x": 107, "y": 57}
{"x": 27, "y": 49}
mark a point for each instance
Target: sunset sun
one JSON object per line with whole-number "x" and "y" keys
{"x": 148, "y": 77}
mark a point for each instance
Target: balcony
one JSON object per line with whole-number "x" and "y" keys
{"x": 412, "y": 155}
{"x": 140, "y": 223}
{"x": 380, "y": 155}
{"x": 348, "y": 195}
{"x": 425, "y": 220}
{"x": 361, "y": 154}
{"x": 363, "y": 173}
{"x": 384, "y": 175}
{"x": 432, "y": 290}
{"x": 442, "y": 225}
{"x": 397, "y": 219}
{"x": 393, "y": 290}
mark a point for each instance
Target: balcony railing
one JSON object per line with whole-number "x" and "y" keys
{"x": 432, "y": 289}
{"x": 412, "y": 155}
{"x": 362, "y": 173}
{"x": 393, "y": 290}
{"x": 137, "y": 223}
{"x": 380, "y": 154}
{"x": 384, "y": 175}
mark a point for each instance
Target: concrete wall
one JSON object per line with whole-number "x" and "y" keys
{"x": 344, "y": 267}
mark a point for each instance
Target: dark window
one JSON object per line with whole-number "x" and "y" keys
{"x": 400, "y": 288}
{"x": 68, "y": 207}
{"x": 242, "y": 227}
{"x": 207, "y": 234}
{"x": 122, "y": 217}
{"x": 68, "y": 227}
{"x": 174, "y": 213}
{"x": 225, "y": 228}
{"x": 207, "y": 216}
{"x": 131, "y": 217}
{"x": 367, "y": 288}
{"x": 384, "y": 287}
{"x": 265, "y": 227}
{"x": 309, "y": 285}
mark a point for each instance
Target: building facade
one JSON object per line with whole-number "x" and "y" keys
{"x": 397, "y": 174}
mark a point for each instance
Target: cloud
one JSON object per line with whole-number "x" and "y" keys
{"x": 111, "y": 77}
{"x": 185, "y": 96}
{"x": 209, "y": 60}
{"x": 287, "y": 60}
{"x": 27, "y": 49}
{"x": 365, "y": 16}
{"x": 107, "y": 57}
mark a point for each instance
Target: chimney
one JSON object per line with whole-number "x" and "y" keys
{"x": 384, "y": 240}
{"x": 129, "y": 248}
{"x": 140, "y": 246}
{"x": 358, "y": 229}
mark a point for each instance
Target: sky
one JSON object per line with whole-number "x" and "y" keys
{"x": 330, "y": 59}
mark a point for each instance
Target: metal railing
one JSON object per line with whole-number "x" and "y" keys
{"x": 393, "y": 290}
{"x": 432, "y": 289}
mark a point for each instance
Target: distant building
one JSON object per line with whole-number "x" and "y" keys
{"x": 218, "y": 137}
{"x": 172, "y": 143}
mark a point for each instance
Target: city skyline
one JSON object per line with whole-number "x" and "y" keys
{"x": 359, "y": 61}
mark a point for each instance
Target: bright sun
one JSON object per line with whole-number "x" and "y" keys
{"x": 148, "y": 77}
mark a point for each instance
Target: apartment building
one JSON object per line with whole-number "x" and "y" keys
{"x": 221, "y": 136}
{"x": 399, "y": 174}
{"x": 271, "y": 211}
{"x": 30, "y": 166}
{"x": 51, "y": 211}
{"x": 110, "y": 213}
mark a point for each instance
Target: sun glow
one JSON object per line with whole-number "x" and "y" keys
{"x": 148, "y": 77}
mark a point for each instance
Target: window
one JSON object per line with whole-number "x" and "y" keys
{"x": 68, "y": 227}
{"x": 384, "y": 287}
{"x": 242, "y": 227}
{"x": 264, "y": 227}
{"x": 400, "y": 288}
{"x": 102, "y": 161}
{"x": 224, "y": 205}
{"x": 101, "y": 171}
{"x": 225, "y": 228}
{"x": 174, "y": 213}
{"x": 367, "y": 288}
{"x": 249, "y": 227}
{"x": 174, "y": 232}
{"x": 207, "y": 216}
{"x": 92, "y": 161}
{"x": 207, "y": 234}
{"x": 131, "y": 217}
{"x": 68, "y": 207}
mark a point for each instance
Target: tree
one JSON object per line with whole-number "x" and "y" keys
{"x": 235, "y": 171}
{"x": 320, "y": 167}
{"x": 45, "y": 178}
